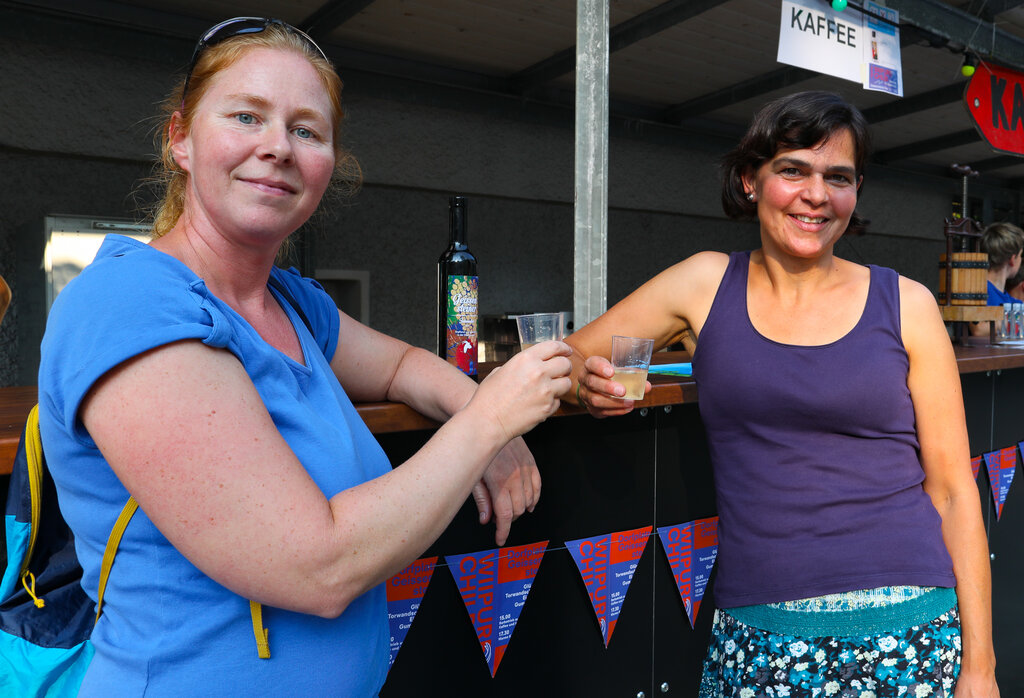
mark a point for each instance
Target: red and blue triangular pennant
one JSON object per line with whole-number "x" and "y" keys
{"x": 606, "y": 564}
{"x": 1001, "y": 466}
{"x": 494, "y": 585}
{"x": 691, "y": 549}
{"x": 405, "y": 591}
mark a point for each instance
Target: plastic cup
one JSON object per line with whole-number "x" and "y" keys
{"x": 631, "y": 359}
{"x": 538, "y": 327}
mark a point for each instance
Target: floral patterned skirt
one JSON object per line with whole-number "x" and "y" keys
{"x": 743, "y": 661}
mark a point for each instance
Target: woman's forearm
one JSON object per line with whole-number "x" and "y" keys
{"x": 430, "y": 385}
{"x": 379, "y": 526}
{"x": 964, "y": 534}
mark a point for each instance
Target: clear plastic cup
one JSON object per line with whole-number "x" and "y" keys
{"x": 538, "y": 327}
{"x": 631, "y": 359}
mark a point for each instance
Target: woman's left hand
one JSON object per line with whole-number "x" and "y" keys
{"x": 509, "y": 487}
{"x": 598, "y": 392}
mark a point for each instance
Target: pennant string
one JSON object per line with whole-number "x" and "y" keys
{"x": 550, "y": 549}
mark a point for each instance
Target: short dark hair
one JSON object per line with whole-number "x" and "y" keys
{"x": 797, "y": 121}
{"x": 1001, "y": 241}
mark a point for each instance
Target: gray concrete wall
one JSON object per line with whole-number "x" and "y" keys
{"x": 75, "y": 118}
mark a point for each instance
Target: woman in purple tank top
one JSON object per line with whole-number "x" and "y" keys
{"x": 871, "y": 577}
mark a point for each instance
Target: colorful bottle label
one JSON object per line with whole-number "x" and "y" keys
{"x": 461, "y": 323}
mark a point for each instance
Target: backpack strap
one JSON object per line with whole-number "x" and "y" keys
{"x": 116, "y": 533}
{"x": 261, "y": 633}
{"x": 110, "y": 551}
{"x": 34, "y": 468}
{"x": 34, "y": 461}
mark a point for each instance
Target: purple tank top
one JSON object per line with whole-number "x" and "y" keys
{"x": 814, "y": 449}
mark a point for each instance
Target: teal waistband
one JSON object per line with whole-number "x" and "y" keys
{"x": 863, "y": 621}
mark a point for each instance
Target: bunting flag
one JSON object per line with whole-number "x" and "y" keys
{"x": 494, "y": 585}
{"x": 691, "y": 549}
{"x": 976, "y": 466}
{"x": 1001, "y": 466}
{"x": 405, "y": 590}
{"x": 606, "y": 564}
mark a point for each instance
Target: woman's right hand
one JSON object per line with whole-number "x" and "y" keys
{"x": 524, "y": 391}
{"x": 599, "y": 394}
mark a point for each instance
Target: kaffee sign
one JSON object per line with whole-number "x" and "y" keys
{"x": 995, "y": 100}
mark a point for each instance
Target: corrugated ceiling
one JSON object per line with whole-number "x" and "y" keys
{"x": 711, "y": 60}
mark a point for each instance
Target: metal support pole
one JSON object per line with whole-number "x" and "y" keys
{"x": 590, "y": 264}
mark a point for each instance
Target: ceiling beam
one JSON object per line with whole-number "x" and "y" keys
{"x": 331, "y": 16}
{"x": 640, "y": 27}
{"x": 656, "y": 20}
{"x": 911, "y": 105}
{"x": 959, "y": 27}
{"x": 119, "y": 14}
{"x": 741, "y": 91}
{"x": 130, "y": 29}
{"x": 930, "y": 20}
{"x": 760, "y": 85}
{"x": 989, "y": 9}
{"x": 929, "y": 145}
{"x": 997, "y": 162}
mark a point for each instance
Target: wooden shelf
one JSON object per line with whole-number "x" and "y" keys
{"x": 971, "y": 313}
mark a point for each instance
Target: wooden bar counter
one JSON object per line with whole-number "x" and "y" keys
{"x": 387, "y": 417}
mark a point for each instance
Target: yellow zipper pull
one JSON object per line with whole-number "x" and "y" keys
{"x": 28, "y": 580}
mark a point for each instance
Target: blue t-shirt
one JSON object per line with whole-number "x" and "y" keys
{"x": 167, "y": 629}
{"x": 997, "y": 297}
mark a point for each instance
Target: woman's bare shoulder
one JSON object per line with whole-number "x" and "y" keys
{"x": 920, "y": 320}
{"x": 688, "y": 288}
{"x": 708, "y": 259}
{"x": 699, "y": 269}
{"x": 915, "y": 294}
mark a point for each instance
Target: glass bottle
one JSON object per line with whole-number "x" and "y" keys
{"x": 457, "y": 299}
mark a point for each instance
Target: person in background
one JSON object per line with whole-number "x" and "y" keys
{"x": 216, "y": 389}
{"x": 1004, "y": 243}
{"x": 852, "y": 554}
{"x": 1015, "y": 286}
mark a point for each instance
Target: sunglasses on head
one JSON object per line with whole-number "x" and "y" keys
{"x": 237, "y": 27}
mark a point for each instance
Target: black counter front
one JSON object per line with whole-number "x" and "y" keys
{"x": 650, "y": 468}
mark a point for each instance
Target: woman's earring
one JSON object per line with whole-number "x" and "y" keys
{"x": 750, "y": 196}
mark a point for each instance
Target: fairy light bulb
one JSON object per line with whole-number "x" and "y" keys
{"x": 970, "y": 63}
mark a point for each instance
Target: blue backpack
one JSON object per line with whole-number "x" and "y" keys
{"x": 45, "y": 616}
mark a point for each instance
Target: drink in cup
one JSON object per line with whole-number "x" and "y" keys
{"x": 538, "y": 327}
{"x": 631, "y": 358}
{"x": 634, "y": 380}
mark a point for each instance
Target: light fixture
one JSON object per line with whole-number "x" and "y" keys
{"x": 970, "y": 63}
{"x": 838, "y": 5}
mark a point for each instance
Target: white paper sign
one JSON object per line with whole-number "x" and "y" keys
{"x": 816, "y": 37}
{"x": 882, "y": 66}
{"x": 851, "y": 45}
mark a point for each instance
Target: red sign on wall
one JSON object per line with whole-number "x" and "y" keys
{"x": 995, "y": 100}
